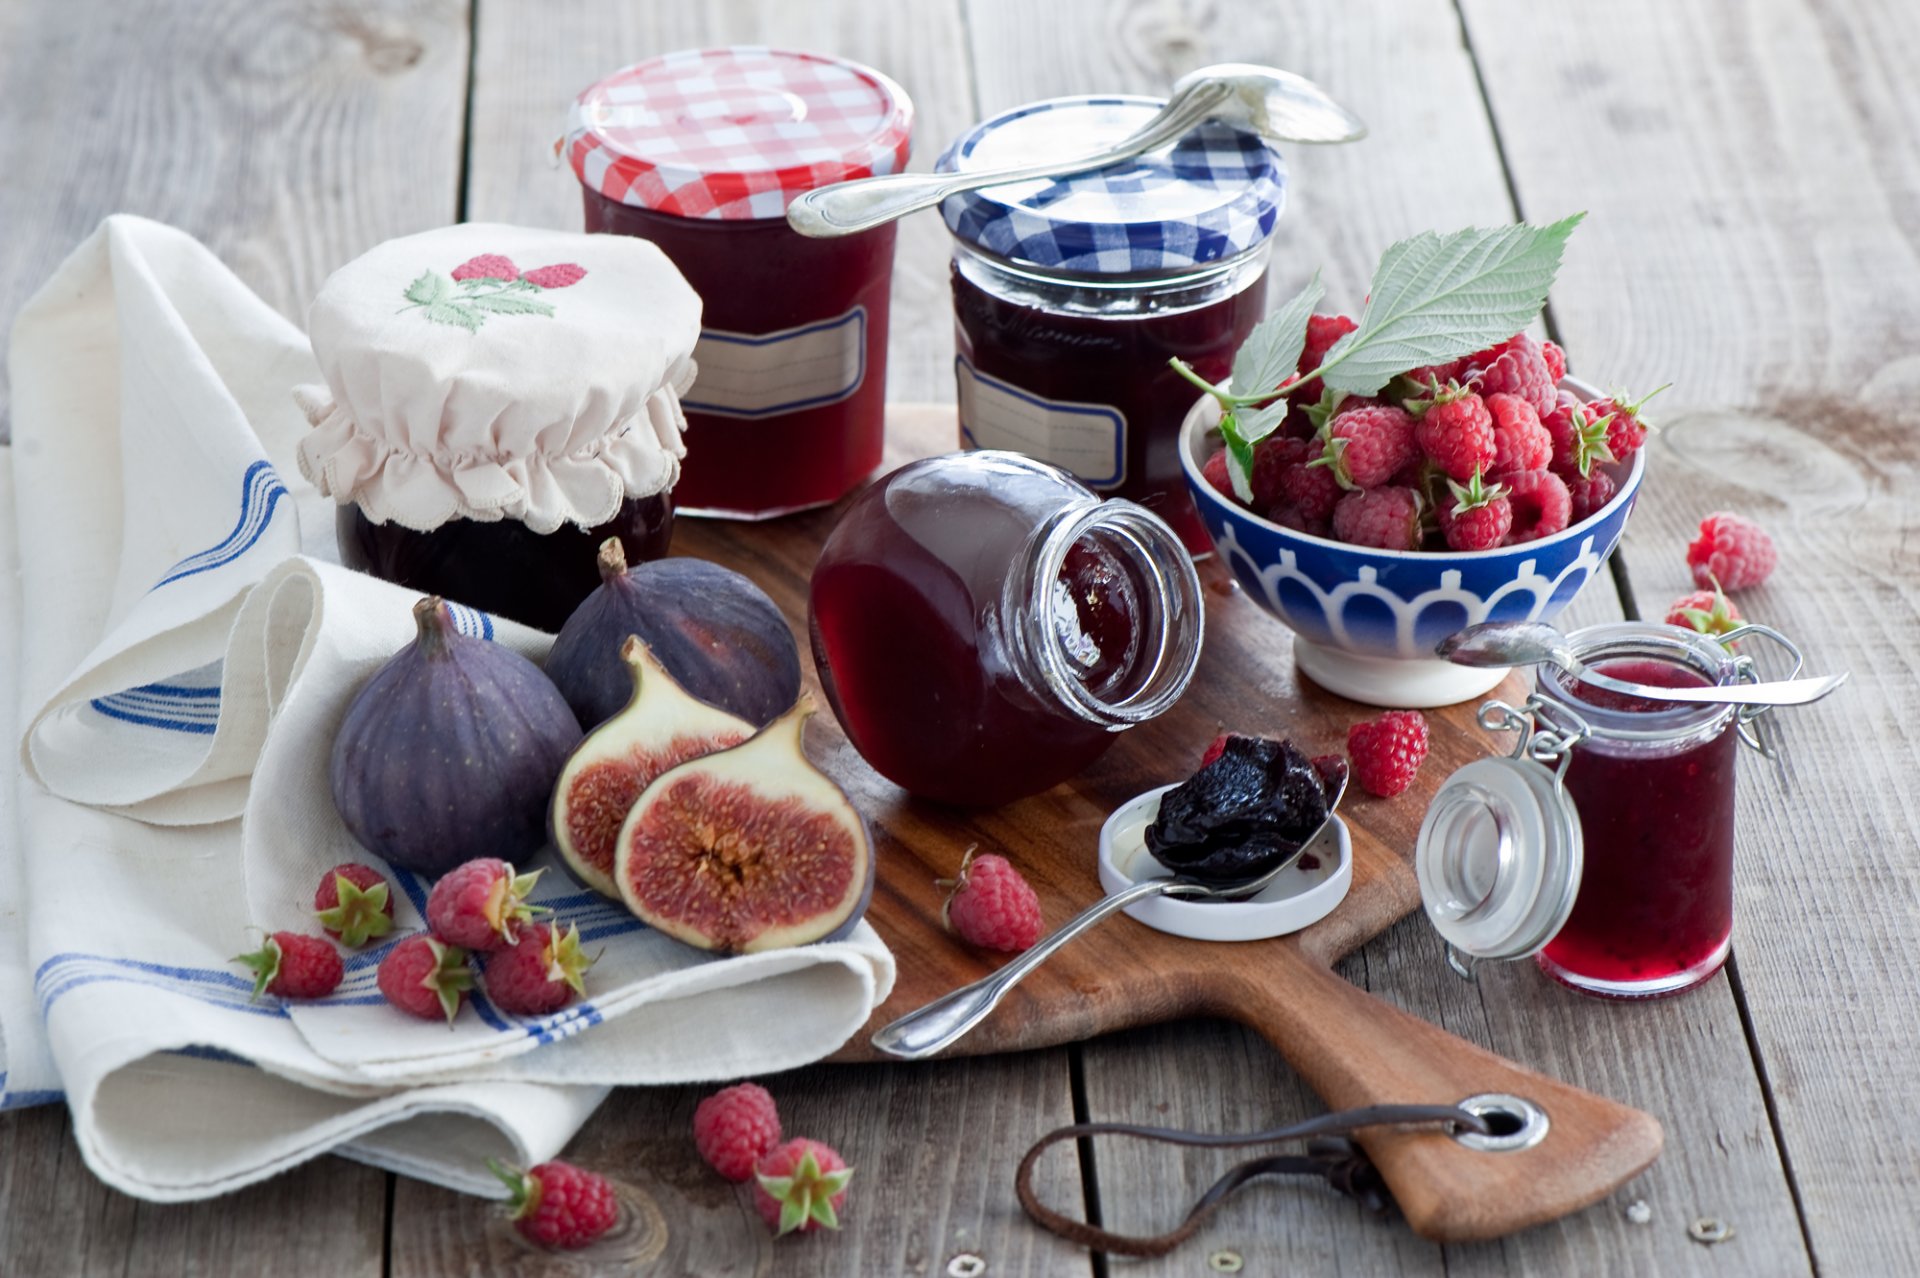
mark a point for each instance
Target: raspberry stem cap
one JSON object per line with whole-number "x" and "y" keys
{"x": 806, "y": 1195}
{"x": 265, "y": 964}
{"x": 361, "y": 915}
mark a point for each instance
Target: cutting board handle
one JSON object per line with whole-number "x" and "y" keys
{"x": 1355, "y": 1050}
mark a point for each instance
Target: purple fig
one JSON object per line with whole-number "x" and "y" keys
{"x": 716, "y": 633}
{"x": 659, "y": 728}
{"x": 450, "y": 751}
{"x": 747, "y": 849}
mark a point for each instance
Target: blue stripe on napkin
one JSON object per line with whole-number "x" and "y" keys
{"x": 260, "y": 492}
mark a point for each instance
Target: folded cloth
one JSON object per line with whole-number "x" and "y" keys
{"x": 174, "y": 789}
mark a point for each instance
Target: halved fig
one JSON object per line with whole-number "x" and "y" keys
{"x": 748, "y": 849}
{"x": 661, "y": 727}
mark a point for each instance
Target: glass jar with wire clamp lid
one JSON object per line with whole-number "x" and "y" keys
{"x": 1603, "y": 843}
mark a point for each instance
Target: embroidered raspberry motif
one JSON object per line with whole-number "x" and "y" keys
{"x": 489, "y": 284}
{"x": 559, "y": 275}
{"x": 488, "y": 266}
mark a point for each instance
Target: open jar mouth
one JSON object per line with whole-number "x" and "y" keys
{"x": 1171, "y": 626}
{"x": 1594, "y": 646}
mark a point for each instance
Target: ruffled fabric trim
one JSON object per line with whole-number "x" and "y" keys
{"x": 637, "y": 458}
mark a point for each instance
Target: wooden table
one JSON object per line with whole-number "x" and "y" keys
{"x": 1752, "y": 177}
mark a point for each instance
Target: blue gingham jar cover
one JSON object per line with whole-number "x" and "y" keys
{"x": 1212, "y": 195}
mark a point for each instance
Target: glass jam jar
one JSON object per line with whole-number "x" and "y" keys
{"x": 1604, "y": 844}
{"x": 1071, "y": 294}
{"x": 983, "y": 625}
{"x": 700, "y": 152}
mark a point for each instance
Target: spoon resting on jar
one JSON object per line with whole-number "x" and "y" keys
{"x": 1532, "y": 643}
{"x": 1276, "y": 104}
{"x": 935, "y": 1027}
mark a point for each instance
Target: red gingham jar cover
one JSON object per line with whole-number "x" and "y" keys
{"x": 738, "y": 132}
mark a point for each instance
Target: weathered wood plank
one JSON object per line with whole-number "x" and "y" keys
{"x": 532, "y": 59}
{"x": 56, "y": 1219}
{"x": 919, "y": 1138}
{"x": 1751, "y": 172}
{"x": 288, "y": 137}
{"x": 1405, "y": 69}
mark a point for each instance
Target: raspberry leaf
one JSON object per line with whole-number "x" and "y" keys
{"x": 430, "y": 288}
{"x": 1438, "y": 297}
{"x": 1271, "y": 352}
{"x": 1239, "y": 457}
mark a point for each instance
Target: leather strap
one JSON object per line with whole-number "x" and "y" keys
{"x": 1329, "y": 1154}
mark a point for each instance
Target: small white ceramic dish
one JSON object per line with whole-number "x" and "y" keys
{"x": 1296, "y": 899}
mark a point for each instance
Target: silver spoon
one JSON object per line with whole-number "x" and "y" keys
{"x": 943, "y": 1022}
{"x": 1532, "y": 643}
{"x": 1273, "y": 103}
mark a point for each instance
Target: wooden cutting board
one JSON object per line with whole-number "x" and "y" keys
{"x": 1350, "y": 1047}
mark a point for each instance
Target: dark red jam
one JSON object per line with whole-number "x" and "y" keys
{"x": 1118, "y": 361}
{"x": 504, "y": 567}
{"x": 915, "y": 645}
{"x": 1655, "y": 904}
{"x": 796, "y": 434}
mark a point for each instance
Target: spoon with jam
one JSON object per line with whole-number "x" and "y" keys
{"x": 1226, "y": 833}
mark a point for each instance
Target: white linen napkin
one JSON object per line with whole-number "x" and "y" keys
{"x": 181, "y": 667}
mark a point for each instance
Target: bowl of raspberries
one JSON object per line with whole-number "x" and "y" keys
{"x": 1487, "y": 488}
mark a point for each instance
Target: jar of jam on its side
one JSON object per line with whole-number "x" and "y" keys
{"x": 1071, "y": 294}
{"x": 984, "y": 625}
{"x": 1604, "y": 844}
{"x": 495, "y": 407}
{"x": 700, "y": 152}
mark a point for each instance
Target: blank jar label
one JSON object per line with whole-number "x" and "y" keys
{"x": 764, "y": 374}
{"x": 1089, "y": 440}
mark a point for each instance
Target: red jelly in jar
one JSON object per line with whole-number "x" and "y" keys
{"x": 1604, "y": 844}
{"x": 1654, "y": 910}
{"x": 1071, "y": 294}
{"x": 983, "y": 625}
{"x": 701, "y": 152}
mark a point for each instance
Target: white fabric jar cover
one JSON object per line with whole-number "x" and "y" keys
{"x": 491, "y": 372}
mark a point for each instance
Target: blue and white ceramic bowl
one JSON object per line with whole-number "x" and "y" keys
{"x": 1366, "y": 621}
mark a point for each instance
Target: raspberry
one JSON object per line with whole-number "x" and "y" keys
{"x": 992, "y": 906}
{"x": 1367, "y": 445}
{"x": 289, "y": 965}
{"x": 1520, "y": 442}
{"x": 559, "y": 275}
{"x": 1215, "y": 473}
{"x": 557, "y": 1204}
{"x": 1708, "y": 611}
{"x": 488, "y": 266}
{"x": 1311, "y": 490}
{"x": 1387, "y": 751}
{"x": 1456, "y": 432}
{"x": 425, "y": 977}
{"x": 1515, "y": 367}
{"x": 1475, "y": 515}
{"x": 1588, "y": 495}
{"x": 1384, "y": 518}
{"x": 540, "y": 972}
{"x": 1556, "y": 360}
{"x": 1541, "y": 504}
{"x": 1579, "y": 439}
{"x": 801, "y": 1186}
{"x": 734, "y": 1128}
{"x": 480, "y": 905}
{"x": 1628, "y": 430}
{"x": 1428, "y": 377}
{"x": 1732, "y": 551}
{"x": 1290, "y": 517}
{"x": 1271, "y": 457}
{"x": 1322, "y": 332}
{"x": 354, "y": 904}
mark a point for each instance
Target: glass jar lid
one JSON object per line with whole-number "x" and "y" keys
{"x": 1212, "y": 195}
{"x": 735, "y": 133}
{"x": 1499, "y": 858}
